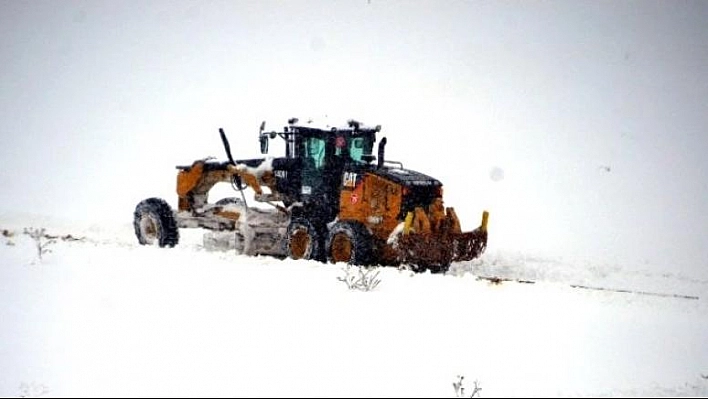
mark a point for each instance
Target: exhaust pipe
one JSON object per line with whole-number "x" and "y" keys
{"x": 382, "y": 144}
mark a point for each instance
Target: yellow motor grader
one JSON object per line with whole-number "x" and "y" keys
{"x": 332, "y": 200}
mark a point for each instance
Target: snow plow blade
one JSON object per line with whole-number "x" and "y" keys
{"x": 432, "y": 250}
{"x": 444, "y": 246}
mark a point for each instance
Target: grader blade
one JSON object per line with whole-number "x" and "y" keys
{"x": 469, "y": 245}
{"x": 430, "y": 247}
{"x": 425, "y": 249}
{"x": 433, "y": 250}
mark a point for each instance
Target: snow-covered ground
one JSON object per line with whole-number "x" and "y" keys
{"x": 104, "y": 316}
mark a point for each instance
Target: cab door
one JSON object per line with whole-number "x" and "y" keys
{"x": 313, "y": 165}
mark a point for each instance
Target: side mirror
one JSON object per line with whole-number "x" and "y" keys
{"x": 264, "y": 143}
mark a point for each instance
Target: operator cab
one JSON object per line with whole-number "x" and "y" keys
{"x": 316, "y": 158}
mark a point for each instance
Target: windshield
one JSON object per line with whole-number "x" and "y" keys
{"x": 357, "y": 146}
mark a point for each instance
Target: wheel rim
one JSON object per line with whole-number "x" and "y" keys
{"x": 299, "y": 243}
{"x": 149, "y": 230}
{"x": 341, "y": 248}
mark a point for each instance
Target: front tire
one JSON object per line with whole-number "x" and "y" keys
{"x": 349, "y": 242}
{"x": 155, "y": 224}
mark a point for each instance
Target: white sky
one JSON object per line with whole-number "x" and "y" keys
{"x": 100, "y": 99}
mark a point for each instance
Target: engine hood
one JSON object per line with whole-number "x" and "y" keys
{"x": 407, "y": 177}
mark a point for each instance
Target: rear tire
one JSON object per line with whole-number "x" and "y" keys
{"x": 349, "y": 242}
{"x": 155, "y": 224}
{"x": 303, "y": 240}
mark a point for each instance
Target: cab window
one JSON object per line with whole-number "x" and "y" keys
{"x": 315, "y": 151}
{"x": 356, "y": 148}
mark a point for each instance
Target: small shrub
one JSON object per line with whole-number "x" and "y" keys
{"x": 41, "y": 239}
{"x": 8, "y": 237}
{"x": 460, "y": 389}
{"x": 360, "y": 278}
